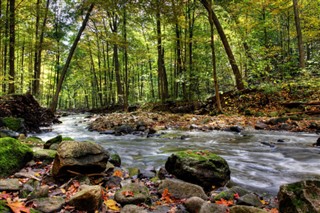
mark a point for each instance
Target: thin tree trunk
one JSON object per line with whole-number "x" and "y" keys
{"x": 12, "y": 34}
{"x": 126, "y": 83}
{"x": 239, "y": 83}
{"x": 39, "y": 47}
{"x": 54, "y": 103}
{"x": 299, "y": 34}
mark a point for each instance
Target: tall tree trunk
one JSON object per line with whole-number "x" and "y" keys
{"x": 12, "y": 34}
{"x": 239, "y": 83}
{"x": 126, "y": 83}
{"x": 163, "y": 82}
{"x": 299, "y": 34}
{"x": 114, "y": 28}
{"x": 55, "y": 98}
{"x": 5, "y": 51}
{"x": 214, "y": 66}
{"x": 39, "y": 46}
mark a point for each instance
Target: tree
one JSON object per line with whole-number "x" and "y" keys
{"x": 12, "y": 35}
{"x": 54, "y": 102}
{"x": 232, "y": 60}
{"x": 214, "y": 65}
{"x": 299, "y": 34}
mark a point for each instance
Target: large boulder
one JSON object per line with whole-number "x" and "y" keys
{"x": 79, "y": 157}
{"x": 13, "y": 156}
{"x": 14, "y": 124}
{"x": 303, "y": 196}
{"x": 203, "y": 168}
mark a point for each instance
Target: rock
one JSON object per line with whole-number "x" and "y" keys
{"x": 275, "y": 121}
{"x": 235, "y": 129}
{"x": 180, "y": 189}
{"x": 203, "y": 168}
{"x": 27, "y": 108}
{"x": 141, "y": 126}
{"x": 123, "y": 130}
{"x": 89, "y": 198}
{"x": 55, "y": 140}
{"x": 246, "y": 209}
{"x": 140, "y": 194}
{"x": 8, "y": 133}
{"x": 114, "y": 157}
{"x": 193, "y": 204}
{"x": 113, "y": 181}
{"x": 80, "y": 157}
{"x": 9, "y": 185}
{"x": 14, "y": 124}
{"x": 161, "y": 174}
{"x": 134, "y": 171}
{"x": 317, "y": 143}
{"x": 48, "y": 204}
{"x": 268, "y": 144}
{"x": 39, "y": 192}
{"x": 133, "y": 209}
{"x": 10, "y": 147}
{"x": 212, "y": 207}
{"x": 146, "y": 174}
{"x": 43, "y": 154}
{"x": 229, "y": 193}
{"x": 250, "y": 200}
{"x": 303, "y": 196}
{"x": 108, "y": 132}
{"x": 261, "y": 126}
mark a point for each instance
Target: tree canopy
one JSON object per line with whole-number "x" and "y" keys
{"x": 91, "y": 54}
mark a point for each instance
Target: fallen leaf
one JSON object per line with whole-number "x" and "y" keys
{"x": 112, "y": 205}
{"x": 225, "y": 202}
{"x": 264, "y": 202}
{"x": 128, "y": 193}
{"x": 236, "y": 196}
{"x": 166, "y": 196}
{"x": 274, "y": 210}
{"x": 5, "y": 195}
{"x": 118, "y": 173}
{"x": 17, "y": 207}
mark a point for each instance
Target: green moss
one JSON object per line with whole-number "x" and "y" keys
{"x": 199, "y": 155}
{"x": 12, "y": 123}
{"x": 67, "y": 139}
{"x": 13, "y": 155}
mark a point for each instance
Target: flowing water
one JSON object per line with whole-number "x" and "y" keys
{"x": 253, "y": 165}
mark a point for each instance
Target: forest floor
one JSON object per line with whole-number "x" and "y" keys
{"x": 251, "y": 109}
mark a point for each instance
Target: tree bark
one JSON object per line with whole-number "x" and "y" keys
{"x": 299, "y": 34}
{"x": 11, "y": 47}
{"x": 239, "y": 83}
{"x": 54, "y": 103}
{"x": 39, "y": 47}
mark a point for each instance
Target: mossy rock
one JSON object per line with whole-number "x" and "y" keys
{"x": 14, "y": 124}
{"x": 44, "y": 154}
{"x": 53, "y": 141}
{"x": 13, "y": 156}
{"x": 33, "y": 141}
{"x": 199, "y": 167}
{"x": 140, "y": 194}
{"x": 67, "y": 139}
{"x": 299, "y": 197}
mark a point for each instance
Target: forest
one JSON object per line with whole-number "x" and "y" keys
{"x": 96, "y": 53}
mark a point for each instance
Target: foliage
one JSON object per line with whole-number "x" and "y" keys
{"x": 261, "y": 33}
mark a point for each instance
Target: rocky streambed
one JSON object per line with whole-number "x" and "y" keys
{"x": 136, "y": 178}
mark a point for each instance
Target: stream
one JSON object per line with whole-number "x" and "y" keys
{"x": 253, "y": 165}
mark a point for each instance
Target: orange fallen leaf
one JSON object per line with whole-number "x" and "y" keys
{"x": 118, "y": 173}
{"x": 166, "y": 196}
{"x": 5, "y": 195}
{"x": 225, "y": 202}
{"x": 17, "y": 207}
{"x": 236, "y": 196}
{"x": 128, "y": 193}
{"x": 274, "y": 210}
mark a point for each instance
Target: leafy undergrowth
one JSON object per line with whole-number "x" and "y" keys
{"x": 38, "y": 171}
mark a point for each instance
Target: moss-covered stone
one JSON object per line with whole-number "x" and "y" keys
{"x": 14, "y": 124}
{"x": 13, "y": 156}
{"x": 56, "y": 140}
{"x": 301, "y": 196}
{"x": 67, "y": 139}
{"x": 33, "y": 141}
{"x": 140, "y": 194}
{"x": 199, "y": 167}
